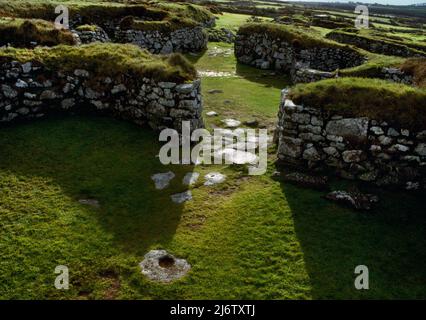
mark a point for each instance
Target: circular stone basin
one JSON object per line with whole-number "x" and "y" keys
{"x": 161, "y": 266}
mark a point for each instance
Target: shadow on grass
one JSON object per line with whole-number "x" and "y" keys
{"x": 389, "y": 240}
{"x": 269, "y": 78}
{"x": 104, "y": 159}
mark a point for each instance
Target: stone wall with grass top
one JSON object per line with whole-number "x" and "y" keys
{"x": 186, "y": 39}
{"x": 375, "y": 45}
{"x": 375, "y": 149}
{"x": 281, "y": 48}
{"x": 160, "y": 97}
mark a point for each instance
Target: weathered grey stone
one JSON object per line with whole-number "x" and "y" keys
{"x": 211, "y": 113}
{"x": 81, "y": 73}
{"x": 26, "y": 67}
{"x": 21, "y": 84}
{"x": 214, "y": 178}
{"x": 118, "y": 88}
{"x": 167, "y": 85}
{"x": 331, "y": 151}
{"x": 377, "y": 130}
{"x": 162, "y": 180}
{"x": 384, "y": 140}
{"x": 351, "y": 156}
{"x": 231, "y": 123}
{"x": 291, "y": 147}
{"x": 311, "y": 154}
{"x": 354, "y": 128}
{"x": 190, "y": 178}
{"x": 68, "y": 103}
{"x": 354, "y": 199}
{"x": 421, "y": 149}
{"x": 48, "y": 95}
{"x": 159, "y": 265}
{"x": 8, "y": 91}
{"x": 181, "y": 197}
{"x": 185, "y": 88}
{"x": 392, "y": 132}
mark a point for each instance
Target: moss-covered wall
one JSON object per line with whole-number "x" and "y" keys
{"x": 120, "y": 80}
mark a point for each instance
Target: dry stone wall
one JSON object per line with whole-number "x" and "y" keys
{"x": 376, "y": 46}
{"x": 265, "y": 52}
{"x": 353, "y": 148}
{"x": 31, "y": 90}
{"x": 158, "y": 42}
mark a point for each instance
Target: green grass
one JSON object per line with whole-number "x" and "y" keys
{"x": 398, "y": 104}
{"x": 372, "y": 68}
{"x": 233, "y": 21}
{"x": 251, "y": 238}
{"x": 20, "y": 32}
{"x": 247, "y": 92}
{"x": 107, "y": 60}
{"x": 93, "y": 11}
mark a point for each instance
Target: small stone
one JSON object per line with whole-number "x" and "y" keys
{"x": 231, "y": 123}
{"x": 211, "y": 114}
{"x": 8, "y": 91}
{"x": 162, "y": 180}
{"x": 21, "y": 84}
{"x": 167, "y": 85}
{"x": 67, "y": 103}
{"x": 377, "y": 130}
{"x": 399, "y": 147}
{"x": 118, "y": 88}
{"x": 48, "y": 95}
{"x": 181, "y": 197}
{"x": 354, "y": 199}
{"x": 305, "y": 180}
{"x": 26, "y": 67}
{"x": 214, "y": 178}
{"x": 190, "y": 178}
{"x": 159, "y": 265}
{"x": 81, "y": 73}
{"x": 392, "y": 132}
{"x": 352, "y": 156}
{"x": 213, "y": 91}
{"x": 384, "y": 140}
{"x": 412, "y": 185}
{"x": 237, "y": 156}
{"x": 311, "y": 154}
{"x": 405, "y": 132}
{"x": 421, "y": 149}
{"x": 185, "y": 88}
{"x": 251, "y": 123}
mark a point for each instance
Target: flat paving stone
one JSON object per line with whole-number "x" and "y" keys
{"x": 237, "y": 156}
{"x": 211, "y": 114}
{"x": 162, "y": 180}
{"x": 181, "y": 197}
{"x": 214, "y": 178}
{"x": 190, "y": 178}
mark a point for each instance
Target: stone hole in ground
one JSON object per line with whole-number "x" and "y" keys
{"x": 166, "y": 262}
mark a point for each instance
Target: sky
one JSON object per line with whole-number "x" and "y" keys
{"x": 394, "y": 2}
